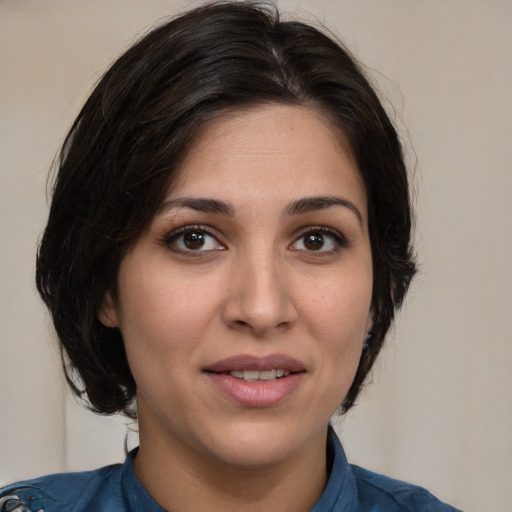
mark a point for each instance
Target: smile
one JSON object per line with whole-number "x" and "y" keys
{"x": 248, "y": 367}
{"x": 254, "y": 375}
{"x": 253, "y": 381}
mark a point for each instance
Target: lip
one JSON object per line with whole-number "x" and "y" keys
{"x": 259, "y": 393}
{"x": 248, "y": 362}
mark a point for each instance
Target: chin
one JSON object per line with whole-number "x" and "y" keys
{"x": 258, "y": 445}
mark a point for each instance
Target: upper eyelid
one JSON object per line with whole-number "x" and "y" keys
{"x": 191, "y": 227}
{"x": 176, "y": 232}
{"x": 339, "y": 236}
{"x": 323, "y": 229}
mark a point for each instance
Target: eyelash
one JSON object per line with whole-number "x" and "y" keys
{"x": 339, "y": 240}
{"x": 173, "y": 236}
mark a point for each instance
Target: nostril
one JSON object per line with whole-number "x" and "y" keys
{"x": 258, "y": 308}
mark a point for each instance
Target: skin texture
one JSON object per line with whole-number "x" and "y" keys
{"x": 262, "y": 280}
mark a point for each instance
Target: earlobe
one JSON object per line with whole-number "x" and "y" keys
{"x": 107, "y": 313}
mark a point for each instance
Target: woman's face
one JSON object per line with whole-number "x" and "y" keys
{"x": 244, "y": 305}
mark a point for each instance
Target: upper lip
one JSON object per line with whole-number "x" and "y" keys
{"x": 248, "y": 362}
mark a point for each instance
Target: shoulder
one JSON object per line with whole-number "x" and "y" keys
{"x": 352, "y": 488}
{"x": 393, "y": 495}
{"x": 65, "y": 491}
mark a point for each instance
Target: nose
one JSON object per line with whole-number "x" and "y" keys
{"x": 260, "y": 298}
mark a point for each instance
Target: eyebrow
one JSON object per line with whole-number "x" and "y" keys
{"x": 298, "y": 207}
{"x": 315, "y": 203}
{"x": 199, "y": 204}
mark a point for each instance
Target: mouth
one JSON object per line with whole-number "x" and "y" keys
{"x": 251, "y": 368}
{"x": 256, "y": 381}
{"x": 254, "y": 375}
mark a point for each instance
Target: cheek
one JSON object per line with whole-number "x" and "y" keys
{"x": 338, "y": 321}
{"x": 340, "y": 309}
{"x": 162, "y": 314}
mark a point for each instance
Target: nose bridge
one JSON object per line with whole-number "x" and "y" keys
{"x": 260, "y": 298}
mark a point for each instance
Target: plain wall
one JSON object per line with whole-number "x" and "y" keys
{"x": 439, "y": 409}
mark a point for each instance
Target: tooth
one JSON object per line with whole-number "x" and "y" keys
{"x": 251, "y": 374}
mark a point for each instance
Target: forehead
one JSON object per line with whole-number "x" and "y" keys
{"x": 292, "y": 150}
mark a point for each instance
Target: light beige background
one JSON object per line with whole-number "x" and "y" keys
{"x": 439, "y": 410}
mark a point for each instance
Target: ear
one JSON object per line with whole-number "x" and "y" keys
{"x": 107, "y": 312}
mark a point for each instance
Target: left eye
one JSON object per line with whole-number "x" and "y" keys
{"x": 318, "y": 240}
{"x": 193, "y": 240}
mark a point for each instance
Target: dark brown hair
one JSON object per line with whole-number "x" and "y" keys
{"x": 123, "y": 150}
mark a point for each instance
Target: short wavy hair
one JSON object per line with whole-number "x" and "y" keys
{"x": 128, "y": 141}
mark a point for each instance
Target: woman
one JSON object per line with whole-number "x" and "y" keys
{"x": 228, "y": 241}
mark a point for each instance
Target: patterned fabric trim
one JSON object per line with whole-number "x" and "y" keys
{"x": 12, "y": 503}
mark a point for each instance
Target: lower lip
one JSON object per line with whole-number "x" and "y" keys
{"x": 259, "y": 393}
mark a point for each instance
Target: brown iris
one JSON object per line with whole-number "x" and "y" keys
{"x": 313, "y": 241}
{"x": 193, "y": 240}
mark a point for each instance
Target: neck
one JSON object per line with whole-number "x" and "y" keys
{"x": 179, "y": 478}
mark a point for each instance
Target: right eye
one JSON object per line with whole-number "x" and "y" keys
{"x": 193, "y": 239}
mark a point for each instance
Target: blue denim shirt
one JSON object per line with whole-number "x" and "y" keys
{"x": 116, "y": 489}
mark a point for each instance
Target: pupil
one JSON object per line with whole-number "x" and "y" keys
{"x": 313, "y": 242}
{"x": 194, "y": 240}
